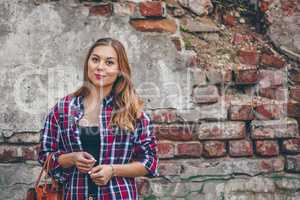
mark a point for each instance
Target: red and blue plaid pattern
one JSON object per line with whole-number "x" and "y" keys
{"x": 60, "y": 134}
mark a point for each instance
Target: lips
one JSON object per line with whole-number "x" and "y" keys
{"x": 99, "y": 76}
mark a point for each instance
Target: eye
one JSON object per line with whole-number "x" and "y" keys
{"x": 94, "y": 59}
{"x": 109, "y": 62}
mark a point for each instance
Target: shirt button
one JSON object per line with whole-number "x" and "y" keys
{"x": 90, "y": 198}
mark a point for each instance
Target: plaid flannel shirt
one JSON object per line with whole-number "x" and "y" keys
{"x": 60, "y": 134}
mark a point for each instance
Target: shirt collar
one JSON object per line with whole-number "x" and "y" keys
{"x": 106, "y": 100}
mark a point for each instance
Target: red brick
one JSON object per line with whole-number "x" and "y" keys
{"x": 289, "y": 7}
{"x": 293, "y": 108}
{"x": 205, "y": 94}
{"x": 241, "y": 108}
{"x": 248, "y": 56}
{"x": 30, "y": 152}
{"x": 191, "y": 149}
{"x": 295, "y": 92}
{"x": 291, "y": 146}
{"x": 104, "y": 9}
{"x": 9, "y": 153}
{"x": 272, "y": 129}
{"x": 270, "y": 110}
{"x": 239, "y": 38}
{"x": 267, "y": 147}
{"x": 270, "y": 78}
{"x": 229, "y": 20}
{"x": 239, "y": 148}
{"x": 272, "y": 165}
{"x": 246, "y": 74}
{"x": 277, "y": 93}
{"x": 176, "y": 132}
{"x": 163, "y": 115}
{"x": 154, "y": 25}
{"x": 166, "y": 149}
{"x": 214, "y": 149}
{"x": 151, "y": 9}
{"x": 271, "y": 61}
{"x": 219, "y": 75}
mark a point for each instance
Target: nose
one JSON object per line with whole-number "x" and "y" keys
{"x": 101, "y": 65}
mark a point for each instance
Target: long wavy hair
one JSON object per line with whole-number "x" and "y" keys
{"x": 127, "y": 106}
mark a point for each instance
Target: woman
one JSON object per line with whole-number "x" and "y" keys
{"x": 99, "y": 135}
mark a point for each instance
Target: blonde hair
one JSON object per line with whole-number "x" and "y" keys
{"x": 127, "y": 106}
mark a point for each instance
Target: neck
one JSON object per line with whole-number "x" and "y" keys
{"x": 98, "y": 93}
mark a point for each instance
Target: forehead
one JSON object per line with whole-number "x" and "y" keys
{"x": 105, "y": 52}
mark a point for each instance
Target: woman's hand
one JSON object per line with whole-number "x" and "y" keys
{"x": 101, "y": 174}
{"x": 83, "y": 161}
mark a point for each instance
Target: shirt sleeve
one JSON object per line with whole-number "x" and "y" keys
{"x": 145, "y": 146}
{"x": 49, "y": 143}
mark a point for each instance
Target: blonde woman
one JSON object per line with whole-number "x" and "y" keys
{"x": 100, "y": 137}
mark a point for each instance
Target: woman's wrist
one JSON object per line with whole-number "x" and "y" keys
{"x": 67, "y": 160}
{"x": 113, "y": 172}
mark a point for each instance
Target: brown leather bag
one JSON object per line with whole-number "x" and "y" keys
{"x": 46, "y": 191}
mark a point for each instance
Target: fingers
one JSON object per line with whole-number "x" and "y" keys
{"x": 88, "y": 156}
{"x": 96, "y": 169}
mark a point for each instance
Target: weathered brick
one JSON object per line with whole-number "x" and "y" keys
{"x": 267, "y": 147}
{"x": 219, "y": 75}
{"x": 198, "y": 76}
{"x": 248, "y": 56}
{"x": 166, "y": 149}
{"x": 169, "y": 168}
{"x": 238, "y": 38}
{"x": 221, "y": 130}
{"x": 291, "y": 146}
{"x": 195, "y": 169}
{"x": 103, "y": 9}
{"x": 216, "y": 111}
{"x": 214, "y": 149}
{"x": 152, "y": 8}
{"x": 124, "y": 8}
{"x": 267, "y": 109}
{"x": 154, "y": 25}
{"x": 277, "y": 93}
{"x": 176, "y": 132}
{"x": 246, "y": 74}
{"x": 270, "y": 78}
{"x": 271, "y": 129}
{"x": 191, "y": 149}
{"x": 10, "y": 153}
{"x": 206, "y": 94}
{"x": 30, "y": 152}
{"x": 293, "y": 108}
{"x": 13, "y": 153}
{"x": 295, "y": 92}
{"x": 163, "y": 115}
{"x": 292, "y": 163}
{"x": 241, "y": 107}
{"x": 271, "y": 60}
{"x": 239, "y": 148}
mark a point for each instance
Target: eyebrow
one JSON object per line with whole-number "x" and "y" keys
{"x": 106, "y": 57}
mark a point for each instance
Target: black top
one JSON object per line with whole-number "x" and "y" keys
{"x": 90, "y": 140}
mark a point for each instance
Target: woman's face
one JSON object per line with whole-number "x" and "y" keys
{"x": 103, "y": 66}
